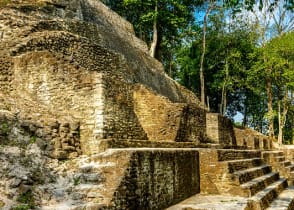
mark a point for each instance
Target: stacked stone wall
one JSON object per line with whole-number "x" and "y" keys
{"x": 159, "y": 117}
{"x": 164, "y": 120}
{"x": 192, "y": 125}
{"x": 288, "y": 152}
{"x": 6, "y": 75}
{"x": 220, "y": 129}
{"x": 57, "y": 71}
{"x": 120, "y": 120}
{"x": 157, "y": 179}
{"x": 64, "y": 92}
{"x": 56, "y": 139}
{"x": 210, "y": 170}
{"x": 252, "y": 139}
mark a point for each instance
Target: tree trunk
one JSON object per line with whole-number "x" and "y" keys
{"x": 208, "y": 104}
{"x": 270, "y": 107}
{"x": 155, "y": 33}
{"x": 222, "y": 105}
{"x": 280, "y": 135}
{"x": 224, "y": 90}
{"x": 202, "y": 82}
{"x": 269, "y": 101}
{"x": 244, "y": 122}
{"x": 283, "y": 115}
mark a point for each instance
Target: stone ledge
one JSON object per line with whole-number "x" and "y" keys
{"x": 120, "y": 143}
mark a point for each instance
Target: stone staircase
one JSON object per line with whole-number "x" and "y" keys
{"x": 245, "y": 174}
{"x": 261, "y": 182}
{"x": 279, "y": 163}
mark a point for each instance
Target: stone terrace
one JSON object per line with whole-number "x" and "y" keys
{"x": 88, "y": 120}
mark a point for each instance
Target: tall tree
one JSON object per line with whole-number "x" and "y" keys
{"x": 156, "y": 21}
{"x": 272, "y": 17}
{"x": 280, "y": 53}
{"x": 210, "y": 7}
{"x": 226, "y": 61}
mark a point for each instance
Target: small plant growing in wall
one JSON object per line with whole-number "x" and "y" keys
{"x": 33, "y": 139}
{"x": 26, "y": 201}
{"x": 21, "y": 207}
{"x": 76, "y": 180}
{"x": 4, "y": 129}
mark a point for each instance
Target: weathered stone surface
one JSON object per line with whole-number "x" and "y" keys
{"x": 209, "y": 202}
{"x": 220, "y": 129}
{"x": 157, "y": 178}
{"x": 77, "y": 62}
{"x": 75, "y": 80}
{"x": 252, "y": 139}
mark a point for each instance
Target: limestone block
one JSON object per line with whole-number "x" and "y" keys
{"x": 57, "y": 143}
{"x": 60, "y": 154}
{"x": 220, "y": 129}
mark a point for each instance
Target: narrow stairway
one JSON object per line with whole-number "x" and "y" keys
{"x": 279, "y": 163}
{"x": 251, "y": 178}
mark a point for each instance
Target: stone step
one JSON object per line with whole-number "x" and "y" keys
{"x": 112, "y": 156}
{"x": 285, "y": 201}
{"x": 95, "y": 167}
{"x": 287, "y": 163}
{"x": 90, "y": 206}
{"x": 290, "y": 168}
{"x": 87, "y": 187}
{"x": 280, "y": 158}
{"x": 211, "y": 202}
{"x": 255, "y": 185}
{"x": 237, "y": 165}
{"x": 291, "y": 178}
{"x": 264, "y": 198}
{"x": 274, "y": 153}
{"x": 270, "y": 156}
{"x": 227, "y": 155}
{"x": 89, "y": 192}
{"x": 243, "y": 176}
{"x": 94, "y": 178}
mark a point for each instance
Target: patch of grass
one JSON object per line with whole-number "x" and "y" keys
{"x": 33, "y": 139}
{"x": 26, "y": 200}
{"x": 21, "y": 207}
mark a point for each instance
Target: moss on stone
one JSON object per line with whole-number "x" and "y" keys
{"x": 21, "y": 207}
{"x": 4, "y": 128}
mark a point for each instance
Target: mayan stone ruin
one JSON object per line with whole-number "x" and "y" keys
{"x": 88, "y": 120}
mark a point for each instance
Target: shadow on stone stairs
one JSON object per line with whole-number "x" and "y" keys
{"x": 247, "y": 182}
{"x": 279, "y": 163}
